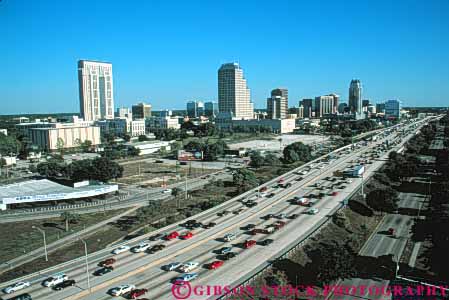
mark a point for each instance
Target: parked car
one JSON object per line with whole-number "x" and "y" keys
{"x": 64, "y": 284}
{"x": 16, "y": 287}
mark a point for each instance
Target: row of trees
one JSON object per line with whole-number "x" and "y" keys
{"x": 258, "y": 160}
{"x": 211, "y": 150}
{"x": 100, "y": 168}
{"x": 297, "y": 152}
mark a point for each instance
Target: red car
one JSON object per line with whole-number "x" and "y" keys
{"x": 281, "y": 180}
{"x": 107, "y": 262}
{"x": 391, "y": 231}
{"x": 334, "y": 193}
{"x": 186, "y": 235}
{"x": 172, "y": 235}
{"x": 134, "y": 294}
{"x": 216, "y": 264}
{"x": 263, "y": 189}
{"x": 249, "y": 244}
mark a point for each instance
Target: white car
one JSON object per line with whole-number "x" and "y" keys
{"x": 229, "y": 237}
{"x": 189, "y": 266}
{"x": 16, "y": 286}
{"x": 140, "y": 248}
{"x": 120, "y": 249}
{"x": 55, "y": 279}
{"x": 313, "y": 211}
{"x": 172, "y": 266}
{"x": 304, "y": 172}
{"x": 185, "y": 277}
{"x": 263, "y": 194}
{"x": 122, "y": 289}
{"x": 167, "y": 191}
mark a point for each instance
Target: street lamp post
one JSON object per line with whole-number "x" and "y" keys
{"x": 87, "y": 263}
{"x": 45, "y": 241}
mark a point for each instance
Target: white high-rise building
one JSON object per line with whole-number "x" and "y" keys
{"x": 95, "y": 90}
{"x": 233, "y": 93}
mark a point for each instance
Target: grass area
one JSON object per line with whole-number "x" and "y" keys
{"x": 19, "y": 238}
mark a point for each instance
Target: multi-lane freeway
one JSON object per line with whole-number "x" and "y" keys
{"x": 314, "y": 180}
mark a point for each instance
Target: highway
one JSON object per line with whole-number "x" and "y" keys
{"x": 144, "y": 270}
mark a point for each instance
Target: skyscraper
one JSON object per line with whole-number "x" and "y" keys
{"x": 308, "y": 107}
{"x": 392, "y": 109}
{"x": 280, "y": 96}
{"x": 195, "y": 109}
{"x": 141, "y": 111}
{"x": 95, "y": 90}
{"x": 233, "y": 93}
{"x": 325, "y": 105}
{"x": 355, "y": 96}
{"x": 211, "y": 109}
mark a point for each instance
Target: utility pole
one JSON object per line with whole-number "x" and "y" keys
{"x": 87, "y": 264}
{"x": 45, "y": 241}
{"x": 185, "y": 187}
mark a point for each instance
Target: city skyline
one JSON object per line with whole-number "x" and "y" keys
{"x": 408, "y": 60}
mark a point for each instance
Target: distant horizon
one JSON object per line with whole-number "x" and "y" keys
{"x": 168, "y": 52}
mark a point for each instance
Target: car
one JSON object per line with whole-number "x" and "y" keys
{"x": 281, "y": 180}
{"x": 280, "y": 216}
{"x": 228, "y": 255}
{"x": 391, "y": 231}
{"x": 249, "y": 243}
{"x": 188, "y": 266}
{"x": 103, "y": 271}
{"x": 167, "y": 191}
{"x": 223, "y": 213}
{"x": 229, "y": 237}
{"x": 334, "y": 193}
{"x": 269, "y": 216}
{"x": 16, "y": 287}
{"x": 25, "y": 296}
{"x": 107, "y": 262}
{"x": 237, "y": 211}
{"x": 158, "y": 161}
{"x": 197, "y": 225}
{"x": 120, "y": 249}
{"x": 225, "y": 250}
{"x": 140, "y": 248}
{"x": 250, "y": 226}
{"x": 55, "y": 279}
{"x": 137, "y": 293}
{"x": 293, "y": 216}
{"x": 172, "y": 235}
{"x": 209, "y": 225}
{"x": 251, "y": 203}
{"x": 304, "y": 172}
{"x": 156, "y": 248}
{"x": 215, "y": 264}
{"x": 266, "y": 242}
{"x": 155, "y": 237}
{"x": 313, "y": 211}
{"x": 64, "y": 284}
{"x": 186, "y": 235}
{"x": 190, "y": 222}
{"x": 172, "y": 266}
{"x": 286, "y": 185}
{"x": 184, "y": 277}
{"x": 263, "y": 189}
{"x": 122, "y": 289}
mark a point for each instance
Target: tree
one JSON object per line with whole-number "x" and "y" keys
{"x": 271, "y": 160}
{"x": 244, "y": 179}
{"x": 143, "y": 138}
{"x": 127, "y": 137}
{"x": 194, "y": 146}
{"x": 60, "y": 146}
{"x": 133, "y": 151}
{"x": 257, "y": 159}
{"x": 69, "y": 217}
{"x": 9, "y": 145}
{"x": 86, "y": 146}
{"x": 297, "y": 152}
{"x": 383, "y": 200}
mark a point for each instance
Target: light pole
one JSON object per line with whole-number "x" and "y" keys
{"x": 45, "y": 241}
{"x": 363, "y": 192}
{"x": 87, "y": 263}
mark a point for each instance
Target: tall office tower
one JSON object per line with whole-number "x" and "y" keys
{"x": 392, "y": 109}
{"x": 233, "y": 93}
{"x": 95, "y": 90}
{"x": 342, "y": 108}
{"x": 195, "y": 109}
{"x": 274, "y": 107}
{"x": 282, "y": 93}
{"x": 324, "y": 105}
{"x": 211, "y": 109}
{"x": 141, "y": 111}
{"x": 308, "y": 107}
{"x": 380, "y": 108}
{"x": 200, "y": 108}
{"x": 355, "y": 96}
{"x": 336, "y": 102}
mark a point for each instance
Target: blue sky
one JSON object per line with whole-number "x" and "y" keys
{"x": 168, "y": 52}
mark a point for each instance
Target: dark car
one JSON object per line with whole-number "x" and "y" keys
{"x": 156, "y": 237}
{"x": 266, "y": 242}
{"x": 102, "y": 271}
{"x": 293, "y": 216}
{"x": 211, "y": 224}
{"x": 156, "y": 248}
{"x": 64, "y": 284}
{"x": 25, "y": 296}
{"x": 228, "y": 255}
{"x": 197, "y": 225}
{"x": 270, "y": 195}
{"x": 269, "y": 216}
{"x": 250, "y": 226}
{"x": 251, "y": 204}
{"x": 137, "y": 293}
